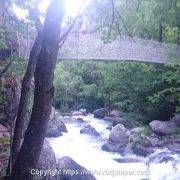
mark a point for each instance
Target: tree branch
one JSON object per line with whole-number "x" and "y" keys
{"x": 126, "y": 28}
{"x": 65, "y": 35}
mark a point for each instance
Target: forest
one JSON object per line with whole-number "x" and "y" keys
{"x": 144, "y": 91}
{"x": 58, "y": 116}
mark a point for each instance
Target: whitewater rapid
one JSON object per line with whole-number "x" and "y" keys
{"x": 86, "y": 151}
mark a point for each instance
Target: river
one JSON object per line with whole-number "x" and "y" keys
{"x": 86, "y": 151}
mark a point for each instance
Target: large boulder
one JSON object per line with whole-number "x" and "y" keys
{"x": 100, "y": 113}
{"x": 113, "y": 147}
{"x": 141, "y": 145}
{"x": 53, "y": 132}
{"x": 118, "y": 140}
{"x": 176, "y": 119}
{"x": 163, "y": 127}
{"x": 140, "y": 132}
{"x": 47, "y": 160}
{"x": 90, "y": 131}
{"x": 70, "y": 170}
{"x": 115, "y": 113}
{"x": 55, "y": 129}
{"x": 61, "y": 126}
{"x": 142, "y": 150}
{"x": 118, "y": 135}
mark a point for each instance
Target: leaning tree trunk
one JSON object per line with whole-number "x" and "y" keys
{"x": 160, "y": 32}
{"x": 178, "y": 36}
{"x": 33, "y": 141}
{"x": 25, "y": 93}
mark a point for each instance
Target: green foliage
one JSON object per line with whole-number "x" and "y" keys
{"x": 148, "y": 19}
{"x": 2, "y": 39}
{"x": 4, "y": 140}
{"x": 143, "y": 91}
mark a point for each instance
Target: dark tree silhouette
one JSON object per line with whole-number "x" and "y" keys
{"x": 25, "y": 93}
{"x": 44, "y": 73}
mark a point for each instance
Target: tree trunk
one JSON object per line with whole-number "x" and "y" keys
{"x": 178, "y": 36}
{"x": 25, "y": 93}
{"x": 33, "y": 141}
{"x": 160, "y": 32}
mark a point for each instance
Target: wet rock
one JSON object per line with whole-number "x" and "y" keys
{"x": 118, "y": 135}
{"x": 142, "y": 150}
{"x": 83, "y": 111}
{"x": 53, "y": 132}
{"x": 156, "y": 142}
{"x": 112, "y": 147}
{"x": 47, "y": 160}
{"x": 76, "y": 113}
{"x": 71, "y": 170}
{"x": 81, "y": 120}
{"x": 61, "y": 126}
{"x": 175, "y": 147}
{"x": 118, "y": 139}
{"x": 67, "y": 119}
{"x": 90, "y": 131}
{"x": 100, "y": 113}
{"x": 161, "y": 157}
{"x": 116, "y": 113}
{"x": 176, "y": 119}
{"x": 142, "y": 136}
{"x": 55, "y": 127}
{"x": 127, "y": 160}
{"x": 163, "y": 127}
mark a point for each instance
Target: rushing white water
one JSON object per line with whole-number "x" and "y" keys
{"x": 86, "y": 151}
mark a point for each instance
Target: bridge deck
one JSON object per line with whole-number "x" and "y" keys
{"x": 90, "y": 46}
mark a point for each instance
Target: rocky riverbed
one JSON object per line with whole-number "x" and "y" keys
{"x": 108, "y": 149}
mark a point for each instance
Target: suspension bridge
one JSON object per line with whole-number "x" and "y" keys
{"x": 124, "y": 48}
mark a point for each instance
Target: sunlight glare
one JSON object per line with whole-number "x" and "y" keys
{"x": 72, "y": 7}
{"x": 20, "y": 13}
